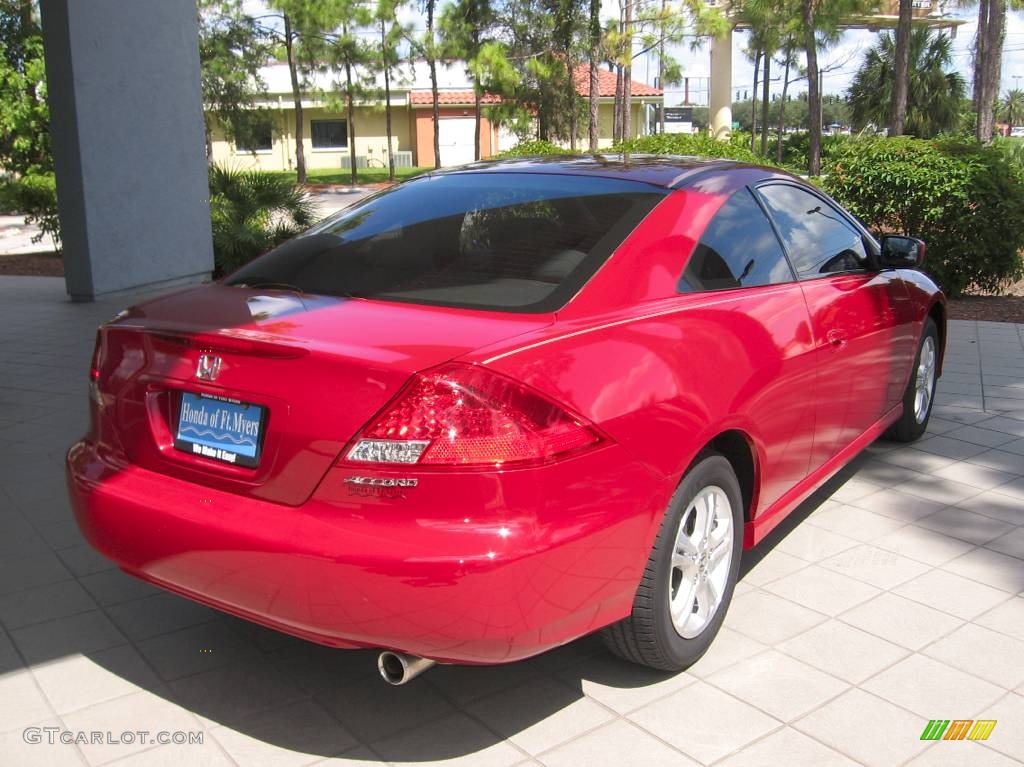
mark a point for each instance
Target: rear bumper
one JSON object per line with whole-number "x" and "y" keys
{"x": 467, "y": 568}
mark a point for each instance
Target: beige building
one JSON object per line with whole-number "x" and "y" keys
{"x": 326, "y": 130}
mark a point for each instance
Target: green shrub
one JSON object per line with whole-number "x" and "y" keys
{"x": 698, "y": 144}
{"x": 251, "y": 212}
{"x": 34, "y": 195}
{"x": 534, "y": 148}
{"x": 964, "y": 200}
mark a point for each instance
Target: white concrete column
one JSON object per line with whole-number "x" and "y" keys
{"x": 720, "y": 110}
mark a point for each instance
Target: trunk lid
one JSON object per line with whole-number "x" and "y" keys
{"x": 319, "y": 367}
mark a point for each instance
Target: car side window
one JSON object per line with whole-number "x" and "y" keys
{"x": 818, "y": 237}
{"x": 738, "y": 250}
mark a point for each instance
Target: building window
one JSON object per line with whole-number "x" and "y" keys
{"x": 330, "y": 134}
{"x": 259, "y": 139}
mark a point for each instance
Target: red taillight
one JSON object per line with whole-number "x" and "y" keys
{"x": 94, "y": 364}
{"x": 462, "y": 415}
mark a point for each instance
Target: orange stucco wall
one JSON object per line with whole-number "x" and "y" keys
{"x": 423, "y": 130}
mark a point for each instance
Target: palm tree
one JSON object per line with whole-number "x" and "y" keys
{"x": 1011, "y": 107}
{"x": 252, "y": 211}
{"x": 934, "y": 92}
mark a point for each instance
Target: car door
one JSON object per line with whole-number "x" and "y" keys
{"x": 758, "y": 321}
{"x": 860, "y": 316}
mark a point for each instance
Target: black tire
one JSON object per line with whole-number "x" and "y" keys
{"x": 648, "y": 636}
{"x": 910, "y": 426}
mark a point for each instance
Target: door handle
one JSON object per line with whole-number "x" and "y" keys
{"x": 837, "y": 338}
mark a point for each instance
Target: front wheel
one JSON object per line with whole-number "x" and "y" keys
{"x": 920, "y": 392}
{"x": 690, "y": 575}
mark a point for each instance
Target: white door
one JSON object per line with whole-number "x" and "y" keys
{"x": 456, "y": 136}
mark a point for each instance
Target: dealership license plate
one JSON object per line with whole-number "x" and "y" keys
{"x": 220, "y": 428}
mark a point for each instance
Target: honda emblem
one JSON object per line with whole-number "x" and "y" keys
{"x": 208, "y": 367}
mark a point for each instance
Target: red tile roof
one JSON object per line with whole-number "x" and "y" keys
{"x": 420, "y": 98}
{"x": 605, "y": 88}
{"x": 606, "y": 83}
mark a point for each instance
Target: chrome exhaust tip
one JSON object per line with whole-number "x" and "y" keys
{"x": 398, "y": 668}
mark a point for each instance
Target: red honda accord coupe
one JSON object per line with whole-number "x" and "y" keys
{"x": 496, "y": 408}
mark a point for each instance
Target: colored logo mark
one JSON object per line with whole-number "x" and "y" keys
{"x": 958, "y": 729}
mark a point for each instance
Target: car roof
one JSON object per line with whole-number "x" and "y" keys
{"x": 667, "y": 171}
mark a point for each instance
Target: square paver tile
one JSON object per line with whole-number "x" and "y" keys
{"x": 16, "y": 751}
{"x": 822, "y": 589}
{"x": 730, "y": 647}
{"x": 965, "y": 752}
{"x": 453, "y": 739}
{"x": 902, "y": 507}
{"x": 288, "y": 736}
{"x": 856, "y": 523}
{"x": 845, "y": 723}
{"x": 996, "y": 505}
{"x": 951, "y": 593}
{"x": 787, "y": 746}
{"x": 901, "y": 621}
{"x": 77, "y": 681}
{"x": 965, "y": 525}
{"x": 1008, "y": 741}
{"x": 985, "y": 653}
{"x": 41, "y": 603}
{"x": 776, "y": 564}
{"x": 927, "y": 546}
{"x": 616, "y": 743}
{"x": 1012, "y": 543}
{"x": 225, "y": 695}
{"x": 21, "y": 701}
{"x": 541, "y": 715}
{"x": 129, "y": 713}
{"x": 991, "y": 568}
{"x": 924, "y": 685}
{"x": 769, "y": 618}
{"x": 623, "y": 686}
{"x": 704, "y": 722}
{"x": 1007, "y": 618}
{"x": 843, "y": 651}
{"x": 779, "y": 685}
{"x": 82, "y": 633}
{"x": 879, "y": 567}
{"x": 812, "y": 543}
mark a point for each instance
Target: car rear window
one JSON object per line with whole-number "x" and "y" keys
{"x": 498, "y": 241}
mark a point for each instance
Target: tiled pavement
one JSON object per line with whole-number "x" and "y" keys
{"x": 892, "y": 597}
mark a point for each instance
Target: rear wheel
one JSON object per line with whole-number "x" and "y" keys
{"x": 920, "y": 393}
{"x": 690, "y": 574}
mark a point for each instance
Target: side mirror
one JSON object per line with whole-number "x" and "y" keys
{"x": 902, "y": 252}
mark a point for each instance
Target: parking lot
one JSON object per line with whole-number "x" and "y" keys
{"x": 892, "y": 597}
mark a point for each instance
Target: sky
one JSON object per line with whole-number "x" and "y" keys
{"x": 840, "y": 62}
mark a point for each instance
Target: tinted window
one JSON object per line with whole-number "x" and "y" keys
{"x": 329, "y": 134}
{"x": 818, "y": 237}
{"x": 508, "y": 241}
{"x": 738, "y": 250}
{"x": 258, "y": 140}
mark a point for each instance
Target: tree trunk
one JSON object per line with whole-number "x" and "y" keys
{"x": 387, "y": 100}
{"x": 595, "y": 53}
{"x": 898, "y": 112}
{"x": 432, "y": 63}
{"x": 350, "y": 107}
{"x": 782, "y": 107}
{"x": 617, "y": 119}
{"x": 813, "y": 88}
{"x": 661, "y": 71}
{"x": 300, "y": 155}
{"x": 753, "y": 99}
{"x": 979, "y": 52}
{"x": 764, "y": 102}
{"x": 627, "y": 77}
{"x": 991, "y": 44}
{"x": 477, "y": 97}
